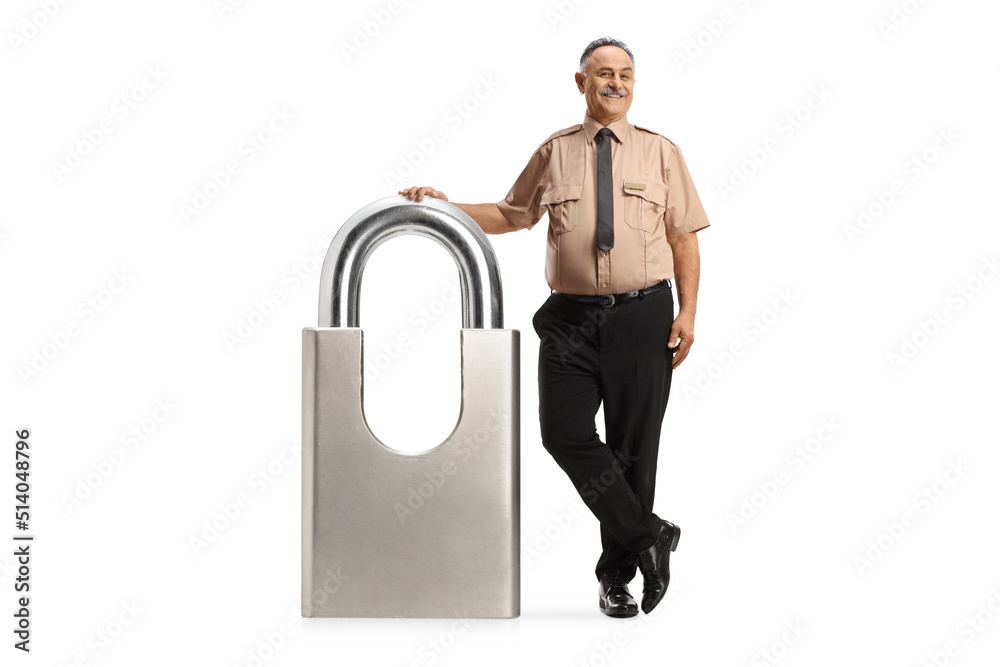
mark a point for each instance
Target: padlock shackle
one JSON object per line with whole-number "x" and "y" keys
{"x": 376, "y": 223}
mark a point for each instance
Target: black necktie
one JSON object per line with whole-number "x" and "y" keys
{"x": 605, "y": 192}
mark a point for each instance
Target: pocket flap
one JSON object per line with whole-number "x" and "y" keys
{"x": 652, "y": 191}
{"x": 557, "y": 194}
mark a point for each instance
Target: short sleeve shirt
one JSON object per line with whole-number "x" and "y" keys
{"x": 654, "y": 198}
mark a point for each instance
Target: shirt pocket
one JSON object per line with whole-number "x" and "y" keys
{"x": 563, "y": 204}
{"x": 645, "y": 203}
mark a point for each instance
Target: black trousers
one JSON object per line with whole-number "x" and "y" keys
{"x": 587, "y": 354}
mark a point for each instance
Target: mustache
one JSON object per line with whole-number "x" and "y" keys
{"x": 608, "y": 90}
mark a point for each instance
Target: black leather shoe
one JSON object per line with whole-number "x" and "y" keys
{"x": 614, "y": 598}
{"x": 654, "y": 563}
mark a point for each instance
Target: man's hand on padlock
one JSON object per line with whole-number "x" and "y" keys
{"x": 419, "y": 193}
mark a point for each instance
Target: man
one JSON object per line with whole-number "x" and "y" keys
{"x": 623, "y": 212}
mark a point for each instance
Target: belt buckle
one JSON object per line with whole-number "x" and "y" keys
{"x": 609, "y": 303}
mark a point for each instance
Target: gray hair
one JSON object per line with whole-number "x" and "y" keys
{"x": 596, "y": 44}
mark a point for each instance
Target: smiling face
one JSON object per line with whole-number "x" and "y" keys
{"x": 607, "y": 84}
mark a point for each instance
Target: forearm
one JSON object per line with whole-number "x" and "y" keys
{"x": 489, "y": 218}
{"x": 687, "y": 268}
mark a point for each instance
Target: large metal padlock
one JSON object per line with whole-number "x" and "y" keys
{"x": 458, "y": 554}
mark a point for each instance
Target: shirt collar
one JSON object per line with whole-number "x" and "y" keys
{"x": 620, "y": 127}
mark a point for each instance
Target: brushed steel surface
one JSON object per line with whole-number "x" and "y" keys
{"x": 390, "y": 534}
{"x": 458, "y": 553}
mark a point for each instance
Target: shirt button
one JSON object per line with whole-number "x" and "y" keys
{"x": 558, "y": 197}
{"x": 605, "y": 284}
{"x": 603, "y": 253}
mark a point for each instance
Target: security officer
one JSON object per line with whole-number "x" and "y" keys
{"x": 623, "y": 212}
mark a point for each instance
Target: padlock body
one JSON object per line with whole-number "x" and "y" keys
{"x": 391, "y": 534}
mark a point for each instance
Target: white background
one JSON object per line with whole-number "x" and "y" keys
{"x": 817, "y": 314}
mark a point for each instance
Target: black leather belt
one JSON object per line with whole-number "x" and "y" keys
{"x": 608, "y": 300}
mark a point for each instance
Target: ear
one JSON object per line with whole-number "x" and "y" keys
{"x": 579, "y": 81}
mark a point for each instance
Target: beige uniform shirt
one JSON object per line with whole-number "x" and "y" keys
{"x": 654, "y": 198}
